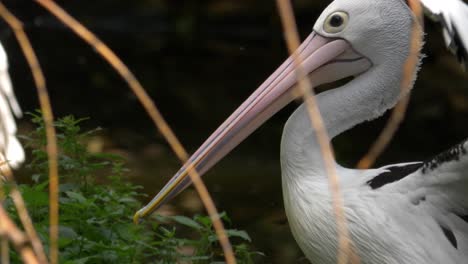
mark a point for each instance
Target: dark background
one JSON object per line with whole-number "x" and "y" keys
{"x": 199, "y": 60}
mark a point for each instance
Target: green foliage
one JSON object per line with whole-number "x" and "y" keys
{"x": 96, "y": 208}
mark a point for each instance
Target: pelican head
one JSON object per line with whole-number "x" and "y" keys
{"x": 350, "y": 38}
{"x": 377, "y": 29}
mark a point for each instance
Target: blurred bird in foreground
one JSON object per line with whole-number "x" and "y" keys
{"x": 11, "y": 150}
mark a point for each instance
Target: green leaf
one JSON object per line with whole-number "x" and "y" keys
{"x": 68, "y": 187}
{"x": 35, "y": 198}
{"x": 238, "y": 233}
{"x": 68, "y": 232}
{"x": 80, "y": 260}
{"x": 127, "y": 200}
{"x": 204, "y": 220}
{"x": 76, "y": 196}
{"x": 42, "y": 186}
{"x": 63, "y": 242}
{"x": 36, "y": 177}
{"x": 186, "y": 221}
{"x": 225, "y": 217}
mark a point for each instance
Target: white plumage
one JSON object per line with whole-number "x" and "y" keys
{"x": 10, "y": 148}
{"x": 453, "y": 15}
{"x": 402, "y": 213}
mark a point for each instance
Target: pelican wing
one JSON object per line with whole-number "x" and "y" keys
{"x": 438, "y": 188}
{"x": 10, "y": 148}
{"x": 453, "y": 15}
{"x": 445, "y": 179}
{"x": 442, "y": 180}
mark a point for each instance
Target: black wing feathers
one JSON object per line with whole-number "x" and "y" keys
{"x": 452, "y": 154}
{"x": 393, "y": 174}
{"x": 398, "y": 172}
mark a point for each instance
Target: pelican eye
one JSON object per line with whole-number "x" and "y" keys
{"x": 336, "y": 22}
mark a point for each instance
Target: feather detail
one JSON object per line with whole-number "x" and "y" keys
{"x": 453, "y": 15}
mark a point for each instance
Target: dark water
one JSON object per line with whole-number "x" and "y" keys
{"x": 199, "y": 60}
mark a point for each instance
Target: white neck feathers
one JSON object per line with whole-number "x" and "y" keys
{"x": 365, "y": 98}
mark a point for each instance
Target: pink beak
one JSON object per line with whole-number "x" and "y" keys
{"x": 322, "y": 59}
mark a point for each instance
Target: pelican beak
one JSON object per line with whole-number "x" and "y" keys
{"x": 323, "y": 59}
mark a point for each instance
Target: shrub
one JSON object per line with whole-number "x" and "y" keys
{"x": 97, "y": 204}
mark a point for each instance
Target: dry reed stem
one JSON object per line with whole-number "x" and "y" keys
{"x": 27, "y": 223}
{"x": 19, "y": 240}
{"x": 305, "y": 89}
{"x": 4, "y": 249}
{"x": 4, "y": 245}
{"x": 20, "y": 206}
{"x": 17, "y": 28}
{"x": 398, "y": 113}
{"x": 152, "y": 111}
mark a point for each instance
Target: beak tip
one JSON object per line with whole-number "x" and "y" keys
{"x": 146, "y": 210}
{"x": 137, "y": 217}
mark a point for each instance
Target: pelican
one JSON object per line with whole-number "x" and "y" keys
{"x": 11, "y": 150}
{"x": 453, "y": 15}
{"x": 412, "y": 212}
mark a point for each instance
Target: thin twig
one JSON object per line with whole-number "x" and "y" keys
{"x": 305, "y": 89}
{"x": 398, "y": 114}
{"x": 25, "y": 219}
{"x": 152, "y": 111}
{"x": 4, "y": 244}
{"x": 9, "y": 231}
{"x": 17, "y": 28}
{"x": 5, "y": 250}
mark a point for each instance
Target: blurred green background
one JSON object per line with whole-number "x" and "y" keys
{"x": 199, "y": 60}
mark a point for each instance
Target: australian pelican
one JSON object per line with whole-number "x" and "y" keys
{"x": 452, "y": 14}
{"x": 414, "y": 212}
